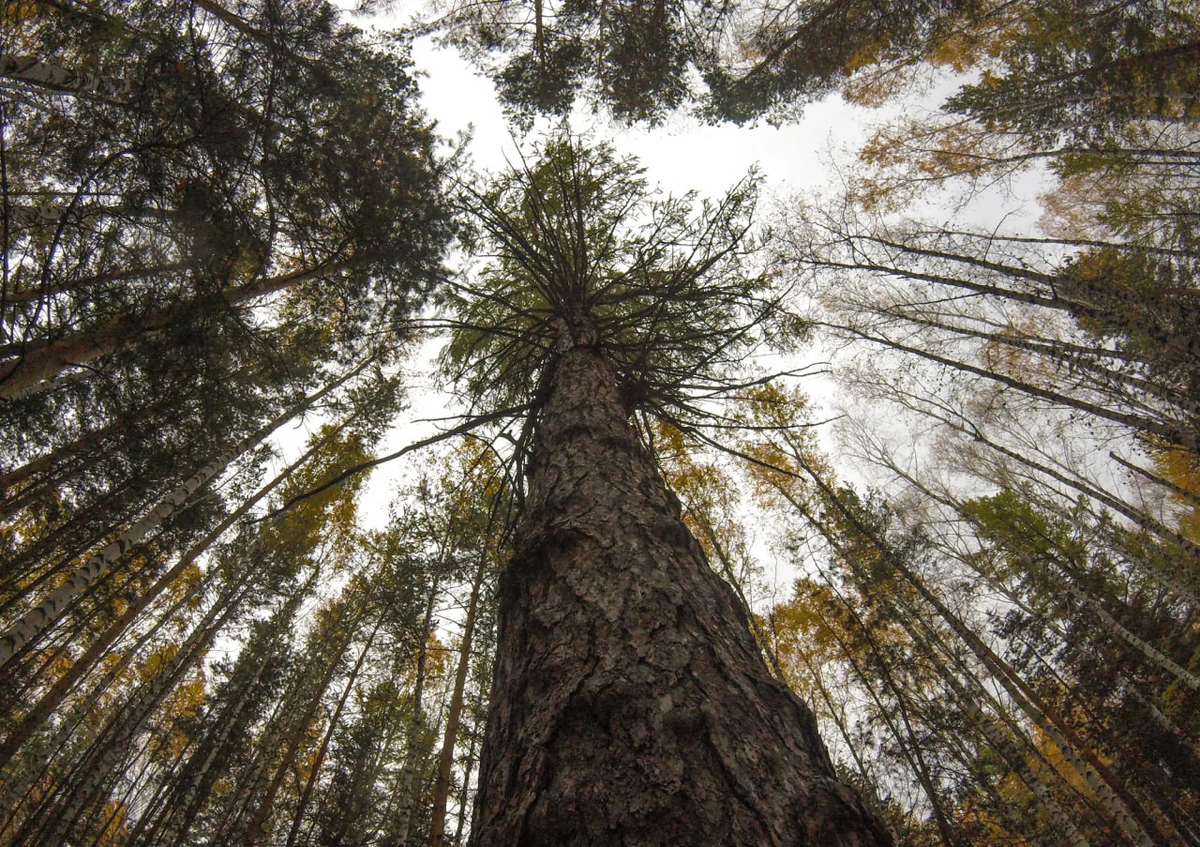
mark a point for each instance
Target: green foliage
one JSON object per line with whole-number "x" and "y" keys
{"x": 581, "y": 251}
{"x": 634, "y": 59}
{"x": 1083, "y": 71}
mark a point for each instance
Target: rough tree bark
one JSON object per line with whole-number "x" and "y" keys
{"x": 631, "y": 704}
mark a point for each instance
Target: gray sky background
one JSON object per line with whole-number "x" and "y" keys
{"x": 682, "y": 155}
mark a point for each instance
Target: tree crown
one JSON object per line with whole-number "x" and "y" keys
{"x": 578, "y": 249}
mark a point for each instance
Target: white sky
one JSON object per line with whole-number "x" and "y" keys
{"x": 680, "y": 156}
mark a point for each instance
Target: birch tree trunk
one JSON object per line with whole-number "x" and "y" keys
{"x": 56, "y": 78}
{"x": 630, "y": 703}
{"x": 1109, "y": 790}
{"x": 100, "y": 646}
{"x": 100, "y": 766}
{"x": 1114, "y": 628}
{"x": 47, "y": 612}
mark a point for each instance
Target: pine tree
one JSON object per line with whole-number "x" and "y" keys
{"x": 630, "y": 703}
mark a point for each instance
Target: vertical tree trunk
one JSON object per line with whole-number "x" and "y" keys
{"x": 441, "y": 785}
{"x": 334, "y": 719}
{"x": 259, "y": 826}
{"x": 464, "y": 794}
{"x": 631, "y": 704}
{"x": 96, "y": 771}
{"x": 414, "y": 755}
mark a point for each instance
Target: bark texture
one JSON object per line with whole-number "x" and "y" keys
{"x": 631, "y": 705}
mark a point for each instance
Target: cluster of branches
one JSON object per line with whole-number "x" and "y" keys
{"x": 1029, "y": 568}
{"x": 210, "y": 212}
{"x": 577, "y": 249}
{"x": 216, "y": 220}
{"x": 727, "y": 61}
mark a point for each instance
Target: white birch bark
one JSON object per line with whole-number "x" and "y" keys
{"x": 998, "y": 740}
{"x": 1114, "y": 628}
{"x": 1013, "y": 686}
{"x": 1160, "y": 719}
{"x": 48, "y": 611}
{"x": 122, "y": 729}
{"x": 38, "y": 619}
{"x": 57, "y": 78}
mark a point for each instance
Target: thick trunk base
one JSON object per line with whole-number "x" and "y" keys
{"x": 631, "y": 705}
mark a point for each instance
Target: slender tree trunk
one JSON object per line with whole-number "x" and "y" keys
{"x": 99, "y": 767}
{"x": 1114, "y": 628}
{"x": 906, "y": 739}
{"x": 441, "y": 785}
{"x": 764, "y": 643}
{"x": 319, "y": 759}
{"x": 22, "y": 375}
{"x": 1103, "y": 783}
{"x": 406, "y": 793}
{"x": 258, "y": 826}
{"x": 43, "y": 463}
{"x": 464, "y": 794}
{"x": 34, "y": 764}
{"x": 48, "y": 611}
{"x": 56, "y": 78}
{"x": 1176, "y": 433}
{"x": 30, "y": 295}
{"x": 1162, "y": 721}
{"x": 98, "y": 648}
{"x": 232, "y": 729}
{"x": 630, "y": 703}
{"x": 1007, "y": 749}
{"x": 1099, "y": 778}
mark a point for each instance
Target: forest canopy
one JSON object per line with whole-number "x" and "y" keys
{"x": 885, "y": 518}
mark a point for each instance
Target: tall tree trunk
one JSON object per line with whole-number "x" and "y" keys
{"x": 334, "y": 720}
{"x": 414, "y": 754}
{"x": 631, "y": 704}
{"x": 1114, "y": 628}
{"x": 44, "y": 462}
{"x": 48, "y": 611}
{"x": 77, "y": 286}
{"x": 441, "y": 785}
{"x": 259, "y": 825}
{"x": 100, "y": 646}
{"x": 1007, "y": 748}
{"x": 100, "y": 766}
{"x": 463, "y": 794}
{"x": 1177, "y": 433}
{"x": 228, "y": 729}
{"x": 906, "y": 739}
{"x": 24, "y": 374}
{"x": 57, "y": 78}
{"x": 1106, "y": 787}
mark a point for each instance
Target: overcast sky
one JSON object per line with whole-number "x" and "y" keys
{"x": 680, "y": 156}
